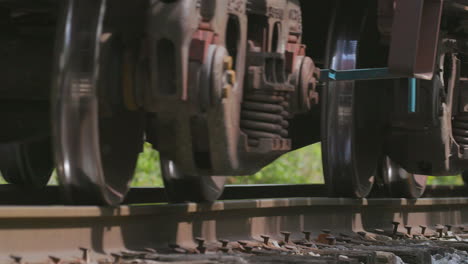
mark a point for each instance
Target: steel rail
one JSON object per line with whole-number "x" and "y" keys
{"x": 36, "y": 232}
{"x": 12, "y": 195}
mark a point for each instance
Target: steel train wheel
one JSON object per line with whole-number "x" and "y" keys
{"x": 401, "y": 184}
{"x": 351, "y": 143}
{"x": 97, "y": 140}
{"x": 28, "y": 164}
{"x": 185, "y": 188}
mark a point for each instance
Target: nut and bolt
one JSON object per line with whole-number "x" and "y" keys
{"x": 440, "y": 230}
{"x": 85, "y": 254}
{"x": 224, "y": 242}
{"x": 54, "y": 259}
{"x": 201, "y": 242}
{"x": 395, "y": 227}
{"x": 408, "y": 229}
{"x": 423, "y": 229}
{"x": 242, "y": 243}
{"x": 449, "y": 228}
{"x": 265, "y": 239}
{"x": 307, "y": 235}
{"x": 16, "y": 259}
{"x": 286, "y": 235}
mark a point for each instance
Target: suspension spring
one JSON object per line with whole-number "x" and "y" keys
{"x": 264, "y": 115}
{"x": 460, "y": 130}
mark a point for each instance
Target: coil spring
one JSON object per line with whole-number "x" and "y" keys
{"x": 460, "y": 130}
{"x": 264, "y": 116}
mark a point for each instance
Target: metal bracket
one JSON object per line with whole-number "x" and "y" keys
{"x": 415, "y": 35}
{"x": 357, "y": 74}
{"x": 371, "y": 74}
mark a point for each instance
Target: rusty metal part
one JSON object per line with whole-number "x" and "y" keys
{"x": 34, "y": 233}
{"x": 197, "y": 68}
{"x": 50, "y": 195}
{"x": 225, "y": 80}
{"x": 432, "y": 139}
{"x": 414, "y": 38}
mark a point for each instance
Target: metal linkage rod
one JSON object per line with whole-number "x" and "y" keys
{"x": 357, "y": 74}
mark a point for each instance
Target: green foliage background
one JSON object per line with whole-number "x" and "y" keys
{"x": 303, "y": 166}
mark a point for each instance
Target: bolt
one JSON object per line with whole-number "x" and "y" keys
{"x": 395, "y": 227}
{"x": 440, "y": 230}
{"x": 307, "y": 235}
{"x": 224, "y": 242}
{"x": 202, "y": 250}
{"x": 227, "y": 61}
{"x": 242, "y": 243}
{"x": 449, "y": 227}
{"x": 200, "y": 241}
{"x": 117, "y": 258}
{"x": 408, "y": 229}
{"x": 286, "y": 235}
{"x": 16, "y": 259}
{"x": 331, "y": 240}
{"x": 423, "y": 229}
{"x": 265, "y": 239}
{"x": 326, "y": 231}
{"x": 55, "y": 260}
{"x": 85, "y": 255}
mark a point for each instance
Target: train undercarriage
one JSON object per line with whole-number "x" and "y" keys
{"x": 225, "y": 87}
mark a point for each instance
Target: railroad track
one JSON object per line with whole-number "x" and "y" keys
{"x": 49, "y": 233}
{"x": 14, "y": 195}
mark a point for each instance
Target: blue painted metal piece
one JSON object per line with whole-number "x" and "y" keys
{"x": 412, "y": 88}
{"x": 371, "y": 74}
{"x": 356, "y": 74}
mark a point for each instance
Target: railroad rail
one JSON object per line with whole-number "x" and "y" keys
{"x": 42, "y": 233}
{"x": 13, "y": 195}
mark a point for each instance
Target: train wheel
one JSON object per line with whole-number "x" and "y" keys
{"x": 185, "y": 188}
{"x": 97, "y": 139}
{"x": 351, "y": 141}
{"x": 28, "y": 164}
{"x": 401, "y": 184}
